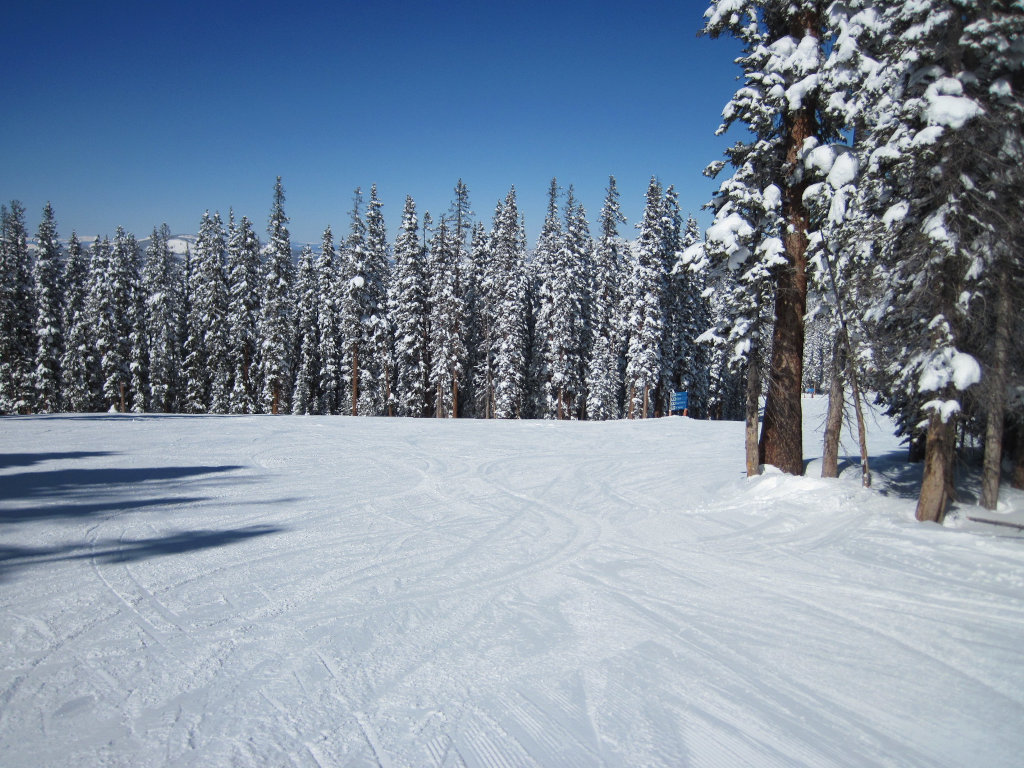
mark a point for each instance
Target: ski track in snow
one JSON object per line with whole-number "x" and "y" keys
{"x": 257, "y": 591}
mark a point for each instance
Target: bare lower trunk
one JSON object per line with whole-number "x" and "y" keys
{"x": 123, "y": 406}
{"x": 1018, "y": 462}
{"x": 455, "y": 396}
{"x": 753, "y": 400}
{"x": 996, "y": 395}
{"x": 355, "y": 380}
{"x": 275, "y": 402}
{"x": 632, "y": 395}
{"x": 647, "y": 401}
{"x": 937, "y": 485}
{"x": 862, "y": 438}
{"x": 834, "y": 420}
{"x": 561, "y": 412}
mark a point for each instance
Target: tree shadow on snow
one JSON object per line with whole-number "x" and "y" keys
{"x": 62, "y": 482}
{"x": 28, "y": 459}
{"x": 900, "y": 478}
{"x": 14, "y": 558}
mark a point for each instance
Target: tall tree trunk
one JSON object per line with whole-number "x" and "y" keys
{"x": 937, "y": 485}
{"x": 1018, "y": 461}
{"x": 836, "y": 403}
{"x": 632, "y": 394}
{"x": 647, "y": 400}
{"x": 782, "y": 431}
{"x": 862, "y": 437}
{"x": 752, "y": 403}
{"x": 996, "y": 396}
{"x": 455, "y": 395}
{"x": 124, "y": 408}
{"x": 355, "y": 380}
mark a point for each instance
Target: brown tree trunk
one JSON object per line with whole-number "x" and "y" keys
{"x": 455, "y": 395}
{"x": 782, "y": 431}
{"x": 1018, "y": 462}
{"x": 561, "y": 415}
{"x": 274, "y": 403}
{"x": 937, "y": 485}
{"x": 836, "y": 403}
{"x": 355, "y": 380}
{"x": 632, "y": 394}
{"x": 121, "y": 387}
{"x": 996, "y": 396}
{"x": 752, "y": 403}
{"x": 647, "y": 401}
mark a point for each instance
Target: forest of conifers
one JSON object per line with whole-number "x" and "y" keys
{"x": 868, "y": 238}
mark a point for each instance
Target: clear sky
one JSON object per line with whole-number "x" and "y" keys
{"x": 136, "y": 113}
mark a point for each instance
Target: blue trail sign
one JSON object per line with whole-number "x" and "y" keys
{"x": 680, "y": 401}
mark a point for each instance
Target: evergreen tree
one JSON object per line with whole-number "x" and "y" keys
{"x": 446, "y": 347}
{"x": 352, "y": 300}
{"x": 138, "y": 339}
{"x": 645, "y": 316}
{"x": 17, "y": 338}
{"x": 328, "y": 304}
{"x": 761, "y": 213}
{"x": 508, "y": 287}
{"x": 275, "y": 320}
{"x": 546, "y": 265}
{"x": 377, "y": 366}
{"x": 78, "y": 363}
{"x": 409, "y": 313}
{"x": 48, "y": 326}
{"x": 244, "y": 273}
{"x": 207, "y": 365}
{"x": 113, "y": 314}
{"x": 604, "y": 380}
{"x": 162, "y": 295}
{"x": 306, "y": 397}
{"x": 940, "y": 161}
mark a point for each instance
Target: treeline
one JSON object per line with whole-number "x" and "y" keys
{"x": 879, "y": 188}
{"x": 451, "y": 320}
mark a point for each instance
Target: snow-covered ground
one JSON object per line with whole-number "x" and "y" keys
{"x": 271, "y": 591}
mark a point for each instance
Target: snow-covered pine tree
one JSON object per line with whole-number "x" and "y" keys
{"x": 244, "y": 275}
{"x": 460, "y": 216}
{"x": 275, "y": 318}
{"x": 941, "y": 154}
{"x": 161, "y": 292}
{"x": 17, "y": 336}
{"x": 306, "y": 396}
{"x": 378, "y": 368}
{"x": 328, "y": 293}
{"x": 46, "y": 281}
{"x": 408, "y": 300}
{"x": 207, "y": 366}
{"x": 645, "y": 302}
{"x": 604, "y": 379}
{"x": 353, "y": 283}
{"x": 510, "y": 337}
{"x": 483, "y": 313}
{"x": 779, "y": 102}
{"x": 571, "y": 331}
{"x": 78, "y": 363}
{"x": 112, "y": 303}
{"x": 446, "y": 345}
{"x": 545, "y": 269}
{"x": 138, "y": 340}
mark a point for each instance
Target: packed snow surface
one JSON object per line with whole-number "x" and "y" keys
{"x": 279, "y": 591}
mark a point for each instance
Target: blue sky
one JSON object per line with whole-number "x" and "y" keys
{"x": 136, "y": 113}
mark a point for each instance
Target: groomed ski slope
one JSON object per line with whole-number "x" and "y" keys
{"x": 279, "y": 591}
